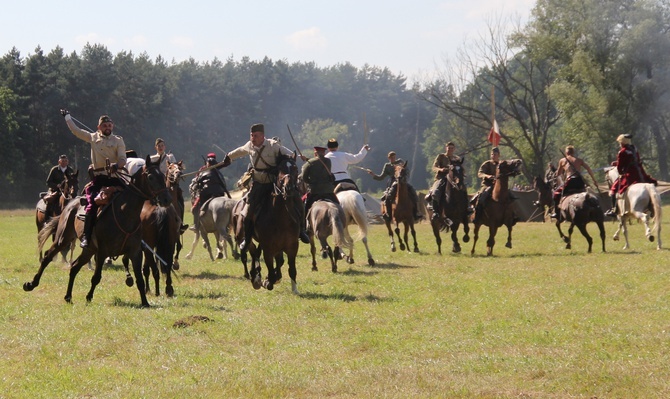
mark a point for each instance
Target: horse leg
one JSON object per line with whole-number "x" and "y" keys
{"x": 336, "y": 256}
{"x": 456, "y": 246}
{"x": 84, "y": 257}
{"x": 400, "y": 241}
{"x": 647, "y": 230}
{"x": 582, "y": 229}
{"x": 269, "y": 281}
{"x": 95, "y": 278}
{"x": 312, "y": 250}
{"x": 151, "y": 266}
{"x": 569, "y": 238}
{"x": 255, "y": 273}
{"x": 466, "y": 230}
{"x": 475, "y": 238}
{"x": 624, "y": 227}
{"x": 129, "y": 278}
{"x": 205, "y": 239}
{"x": 601, "y": 227}
{"x": 293, "y": 272}
{"x": 508, "y": 244}
{"x": 136, "y": 260}
{"x": 371, "y": 261}
{"x": 221, "y": 250}
{"x": 492, "y": 239}
{"x": 388, "y": 226}
{"x": 416, "y": 245}
{"x": 279, "y": 262}
{"x": 46, "y": 259}
{"x": 195, "y": 243}
{"x": 436, "y": 232}
{"x": 175, "y": 262}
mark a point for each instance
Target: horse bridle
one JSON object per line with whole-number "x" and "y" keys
{"x": 133, "y": 186}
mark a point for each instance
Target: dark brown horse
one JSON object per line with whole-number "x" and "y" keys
{"x": 454, "y": 209}
{"x": 327, "y": 218}
{"x": 580, "y": 209}
{"x": 53, "y": 204}
{"x": 545, "y": 201}
{"x": 402, "y": 211}
{"x": 498, "y": 209}
{"x": 117, "y": 230}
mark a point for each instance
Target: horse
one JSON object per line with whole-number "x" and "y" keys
{"x": 216, "y": 217}
{"x": 641, "y": 201}
{"x": 327, "y": 218}
{"x": 402, "y": 210}
{"x": 277, "y": 227}
{"x": 580, "y": 209}
{"x": 52, "y": 205}
{"x": 454, "y": 208}
{"x": 116, "y": 231}
{"x": 160, "y": 237}
{"x": 498, "y": 210}
{"x": 353, "y": 204}
{"x": 545, "y": 200}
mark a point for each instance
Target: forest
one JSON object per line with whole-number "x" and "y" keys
{"x": 578, "y": 72}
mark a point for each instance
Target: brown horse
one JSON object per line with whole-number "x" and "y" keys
{"x": 402, "y": 211}
{"x": 498, "y": 210}
{"x": 117, "y": 230}
{"x": 454, "y": 208}
{"x": 327, "y": 218}
{"x": 580, "y": 209}
{"x": 276, "y": 229}
{"x": 545, "y": 200}
{"x": 53, "y": 204}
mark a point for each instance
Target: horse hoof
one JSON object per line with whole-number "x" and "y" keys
{"x": 568, "y": 246}
{"x": 350, "y": 260}
{"x": 466, "y": 238}
{"x": 169, "y": 291}
{"x": 402, "y": 247}
{"x": 219, "y": 256}
{"x": 651, "y": 238}
{"x": 268, "y": 285}
{"x": 416, "y": 250}
{"x": 28, "y": 286}
{"x": 256, "y": 283}
{"x": 175, "y": 265}
{"x": 371, "y": 262}
{"x": 392, "y": 249}
{"x": 324, "y": 254}
{"x": 129, "y": 281}
{"x": 509, "y": 245}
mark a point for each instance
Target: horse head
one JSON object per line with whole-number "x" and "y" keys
{"x": 174, "y": 173}
{"x": 611, "y": 174}
{"x": 456, "y": 173}
{"x": 70, "y": 186}
{"x": 401, "y": 172}
{"x": 148, "y": 179}
{"x": 511, "y": 167}
{"x": 287, "y": 177}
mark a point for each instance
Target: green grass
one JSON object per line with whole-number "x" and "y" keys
{"x": 535, "y": 321}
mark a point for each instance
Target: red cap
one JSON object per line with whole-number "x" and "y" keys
{"x": 211, "y": 155}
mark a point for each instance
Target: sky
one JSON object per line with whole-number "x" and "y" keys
{"x": 412, "y": 38}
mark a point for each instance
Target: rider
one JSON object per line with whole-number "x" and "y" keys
{"x": 630, "y": 168}
{"x": 265, "y": 155}
{"x": 571, "y": 168}
{"x": 340, "y": 160}
{"x": 320, "y": 182}
{"x": 487, "y": 172}
{"x": 441, "y": 168}
{"x": 392, "y": 187}
{"x": 105, "y": 147}
{"x": 57, "y": 175}
{"x": 207, "y": 183}
{"x": 163, "y": 156}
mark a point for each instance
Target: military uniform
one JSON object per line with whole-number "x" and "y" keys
{"x": 58, "y": 176}
{"x": 439, "y": 185}
{"x": 388, "y": 170}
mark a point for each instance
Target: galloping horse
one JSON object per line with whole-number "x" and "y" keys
{"x": 353, "y": 204}
{"x": 55, "y": 203}
{"x": 277, "y": 227}
{"x": 217, "y": 218}
{"x": 640, "y": 201}
{"x": 498, "y": 209}
{"x": 116, "y": 231}
{"x": 327, "y": 218}
{"x": 454, "y": 207}
{"x": 402, "y": 210}
{"x": 545, "y": 200}
{"x": 580, "y": 209}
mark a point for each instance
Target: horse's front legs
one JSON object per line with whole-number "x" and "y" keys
{"x": 508, "y": 244}
{"x": 416, "y": 245}
{"x": 83, "y": 258}
{"x": 388, "y": 226}
{"x": 491, "y": 242}
{"x": 400, "y": 241}
{"x": 582, "y": 229}
{"x": 456, "y": 246}
{"x": 475, "y": 238}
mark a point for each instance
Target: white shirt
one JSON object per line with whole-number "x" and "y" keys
{"x": 339, "y": 161}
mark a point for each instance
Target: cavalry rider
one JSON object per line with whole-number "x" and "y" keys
{"x": 630, "y": 168}
{"x": 57, "y": 175}
{"x": 208, "y": 183}
{"x": 265, "y": 155}
{"x": 340, "y": 160}
{"x": 487, "y": 172}
{"x": 163, "y": 156}
{"x": 441, "y": 167}
{"x": 320, "y": 182}
{"x": 392, "y": 187}
{"x": 105, "y": 147}
{"x": 570, "y": 167}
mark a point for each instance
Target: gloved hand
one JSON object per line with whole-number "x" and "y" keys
{"x": 227, "y": 161}
{"x": 113, "y": 168}
{"x": 64, "y": 112}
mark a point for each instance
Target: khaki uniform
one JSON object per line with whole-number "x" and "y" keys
{"x": 163, "y": 166}
{"x": 103, "y": 147}
{"x": 263, "y": 159}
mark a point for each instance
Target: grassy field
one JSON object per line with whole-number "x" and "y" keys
{"x": 535, "y": 321}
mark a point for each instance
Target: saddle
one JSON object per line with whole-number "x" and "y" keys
{"x": 344, "y": 186}
{"x": 102, "y": 200}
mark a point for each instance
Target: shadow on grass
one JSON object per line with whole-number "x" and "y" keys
{"x": 392, "y": 266}
{"x": 211, "y": 276}
{"x": 343, "y": 297}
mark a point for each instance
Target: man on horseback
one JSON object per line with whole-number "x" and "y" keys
{"x": 105, "y": 148}
{"x": 57, "y": 175}
{"x": 265, "y": 156}
{"x": 340, "y": 160}
{"x": 163, "y": 156}
{"x": 630, "y": 168}
{"x": 487, "y": 172}
{"x": 320, "y": 182}
{"x": 389, "y": 194}
{"x": 441, "y": 167}
{"x": 208, "y": 183}
{"x": 570, "y": 167}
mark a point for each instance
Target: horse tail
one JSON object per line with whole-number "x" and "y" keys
{"x": 359, "y": 214}
{"x": 47, "y": 231}
{"x": 164, "y": 243}
{"x": 658, "y": 210}
{"x": 337, "y": 221}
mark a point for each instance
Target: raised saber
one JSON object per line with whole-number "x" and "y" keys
{"x": 298, "y": 149}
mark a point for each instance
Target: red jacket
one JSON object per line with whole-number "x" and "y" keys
{"x": 630, "y": 169}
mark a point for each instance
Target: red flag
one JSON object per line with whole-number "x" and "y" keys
{"x": 494, "y": 134}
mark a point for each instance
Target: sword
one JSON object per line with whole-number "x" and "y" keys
{"x": 298, "y": 149}
{"x": 153, "y": 252}
{"x": 361, "y": 168}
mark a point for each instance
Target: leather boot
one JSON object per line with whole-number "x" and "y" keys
{"x": 248, "y": 233}
{"x": 88, "y": 230}
{"x": 612, "y": 212}
{"x": 554, "y": 215}
{"x": 389, "y": 211}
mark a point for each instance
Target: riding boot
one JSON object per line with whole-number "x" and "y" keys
{"x": 554, "y": 215}
{"x": 415, "y": 211}
{"x": 389, "y": 210}
{"x": 613, "y": 211}
{"x": 436, "y": 209}
{"x": 88, "y": 229}
{"x": 304, "y": 237}
{"x": 248, "y": 233}
{"x": 196, "y": 218}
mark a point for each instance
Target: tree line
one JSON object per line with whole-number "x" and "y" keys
{"x": 579, "y": 72}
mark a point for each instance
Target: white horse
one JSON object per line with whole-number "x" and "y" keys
{"x": 354, "y": 209}
{"x": 640, "y": 201}
{"x": 216, "y": 217}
